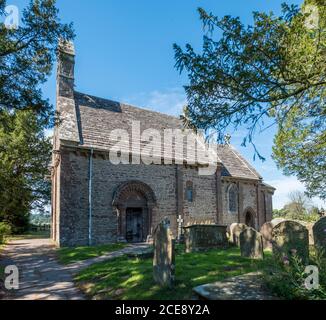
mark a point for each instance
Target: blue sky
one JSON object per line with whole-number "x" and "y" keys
{"x": 124, "y": 52}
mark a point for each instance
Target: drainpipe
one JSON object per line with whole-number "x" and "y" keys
{"x": 90, "y": 172}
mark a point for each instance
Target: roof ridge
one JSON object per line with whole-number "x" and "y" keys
{"x": 129, "y": 105}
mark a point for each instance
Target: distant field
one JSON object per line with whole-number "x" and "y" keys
{"x": 32, "y": 235}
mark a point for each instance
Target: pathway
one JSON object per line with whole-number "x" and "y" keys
{"x": 41, "y": 277}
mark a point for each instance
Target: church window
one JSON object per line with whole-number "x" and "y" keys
{"x": 233, "y": 198}
{"x": 189, "y": 192}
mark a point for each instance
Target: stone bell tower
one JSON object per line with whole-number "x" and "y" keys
{"x": 65, "y": 69}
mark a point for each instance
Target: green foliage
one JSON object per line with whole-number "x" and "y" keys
{"x": 272, "y": 71}
{"x": 40, "y": 219}
{"x": 129, "y": 278}
{"x": 299, "y": 208}
{"x": 26, "y": 59}
{"x": 70, "y": 255}
{"x": 25, "y": 154}
{"x": 27, "y": 55}
{"x": 5, "y": 230}
{"x": 286, "y": 277}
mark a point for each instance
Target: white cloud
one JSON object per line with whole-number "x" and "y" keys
{"x": 284, "y": 186}
{"x": 170, "y": 101}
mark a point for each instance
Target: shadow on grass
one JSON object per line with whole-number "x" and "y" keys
{"x": 125, "y": 278}
{"x": 70, "y": 255}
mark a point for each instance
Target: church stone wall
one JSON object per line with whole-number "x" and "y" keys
{"x": 106, "y": 178}
{"x": 203, "y": 207}
{"x": 73, "y": 200}
{"x": 162, "y": 179}
{"x": 249, "y": 198}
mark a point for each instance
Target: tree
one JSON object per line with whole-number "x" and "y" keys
{"x": 23, "y": 168}
{"x": 299, "y": 205}
{"x": 27, "y": 55}
{"x": 271, "y": 72}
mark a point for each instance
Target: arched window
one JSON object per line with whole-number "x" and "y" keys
{"x": 189, "y": 191}
{"x": 233, "y": 198}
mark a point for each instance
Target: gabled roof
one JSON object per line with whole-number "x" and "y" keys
{"x": 234, "y": 165}
{"x": 88, "y": 121}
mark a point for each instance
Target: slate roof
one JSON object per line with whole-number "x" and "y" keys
{"x": 88, "y": 121}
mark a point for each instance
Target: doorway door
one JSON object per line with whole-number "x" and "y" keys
{"x": 134, "y": 225}
{"x": 250, "y": 222}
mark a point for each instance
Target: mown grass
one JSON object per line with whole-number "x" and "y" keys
{"x": 70, "y": 255}
{"x": 131, "y": 278}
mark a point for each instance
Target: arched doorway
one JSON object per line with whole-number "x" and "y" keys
{"x": 134, "y": 202}
{"x": 250, "y": 219}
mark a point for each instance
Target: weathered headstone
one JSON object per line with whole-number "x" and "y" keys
{"x": 164, "y": 256}
{"x": 266, "y": 232}
{"x": 277, "y": 221}
{"x": 205, "y": 237}
{"x": 235, "y": 230}
{"x": 319, "y": 231}
{"x": 291, "y": 238}
{"x": 251, "y": 244}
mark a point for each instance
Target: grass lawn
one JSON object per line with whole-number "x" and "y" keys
{"x": 131, "y": 278}
{"x": 70, "y": 255}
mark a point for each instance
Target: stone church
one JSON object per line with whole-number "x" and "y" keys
{"x": 95, "y": 201}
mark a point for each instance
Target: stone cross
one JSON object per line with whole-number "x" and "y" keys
{"x": 180, "y": 224}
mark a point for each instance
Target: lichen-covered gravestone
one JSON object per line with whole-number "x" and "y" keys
{"x": 319, "y": 231}
{"x": 164, "y": 256}
{"x": 251, "y": 244}
{"x": 235, "y": 230}
{"x": 291, "y": 238}
{"x": 205, "y": 237}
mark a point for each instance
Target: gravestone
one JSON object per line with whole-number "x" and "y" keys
{"x": 235, "y": 230}
{"x": 277, "y": 221}
{"x": 164, "y": 256}
{"x": 289, "y": 238}
{"x": 266, "y": 232}
{"x": 251, "y": 244}
{"x": 205, "y": 237}
{"x": 319, "y": 231}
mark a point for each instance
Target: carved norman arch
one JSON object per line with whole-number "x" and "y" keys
{"x": 134, "y": 194}
{"x": 125, "y": 189}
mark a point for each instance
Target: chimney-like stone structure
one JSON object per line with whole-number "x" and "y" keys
{"x": 65, "y": 69}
